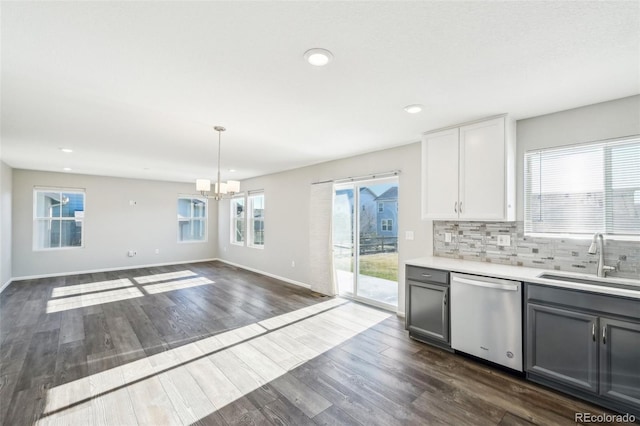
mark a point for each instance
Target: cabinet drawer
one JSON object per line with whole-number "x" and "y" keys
{"x": 583, "y": 301}
{"x": 416, "y": 273}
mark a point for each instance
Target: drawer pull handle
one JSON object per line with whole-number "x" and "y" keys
{"x": 426, "y": 275}
{"x": 455, "y": 207}
{"x": 593, "y": 331}
{"x": 604, "y": 335}
{"x": 460, "y": 206}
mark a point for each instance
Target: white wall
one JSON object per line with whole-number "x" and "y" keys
{"x": 5, "y": 223}
{"x": 111, "y": 226}
{"x": 287, "y": 213}
{"x": 605, "y": 120}
{"x": 287, "y": 193}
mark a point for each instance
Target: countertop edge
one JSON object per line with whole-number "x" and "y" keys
{"x": 517, "y": 273}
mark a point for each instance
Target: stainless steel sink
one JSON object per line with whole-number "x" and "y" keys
{"x": 605, "y": 282}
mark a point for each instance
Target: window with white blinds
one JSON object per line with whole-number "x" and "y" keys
{"x": 583, "y": 189}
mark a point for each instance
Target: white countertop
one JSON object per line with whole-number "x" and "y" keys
{"x": 530, "y": 275}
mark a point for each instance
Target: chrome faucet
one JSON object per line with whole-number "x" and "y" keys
{"x": 597, "y": 246}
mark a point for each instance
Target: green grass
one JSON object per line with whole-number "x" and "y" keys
{"x": 381, "y": 265}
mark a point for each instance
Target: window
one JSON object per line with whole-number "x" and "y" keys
{"x": 380, "y": 207}
{"x": 192, "y": 219}
{"x": 583, "y": 189}
{"x": 237, "y": 220}
{"x": 387, "y": 224}
{"x": 58, "y": 215}
{"x": 255, "y": 216}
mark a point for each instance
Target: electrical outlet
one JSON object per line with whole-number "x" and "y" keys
{"x": 293, "y": 263}
{"x": 157, "y": 251}
{"x": 447, "y": 237}
{"x": 131, "y": 253}
{"x": 408, "y": 235}
{"x": 504, "y": 240}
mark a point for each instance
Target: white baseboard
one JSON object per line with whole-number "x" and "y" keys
{"x": 287, "y": 280}
{"x": 121, "y": 268}
{"x": 5, "y": 285}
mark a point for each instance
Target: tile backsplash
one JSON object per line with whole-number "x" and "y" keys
{"x": 479, "y": 241}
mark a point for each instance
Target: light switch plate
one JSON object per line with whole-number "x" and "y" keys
{"x": 504, "y": 240}
{"x": 447, "y": 237}
{"x": 408, "y": 235}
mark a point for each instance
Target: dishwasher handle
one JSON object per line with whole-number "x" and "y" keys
{"x": 497, "y": 286}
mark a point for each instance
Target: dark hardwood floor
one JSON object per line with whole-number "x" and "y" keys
{"x": 207, "y": 343}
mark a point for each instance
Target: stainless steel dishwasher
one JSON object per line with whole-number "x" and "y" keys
{"x": 486, "y": 318}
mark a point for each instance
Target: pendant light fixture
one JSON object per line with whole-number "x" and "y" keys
{"x": 221, "y": 188}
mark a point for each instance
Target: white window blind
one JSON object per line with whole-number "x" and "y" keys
{"x": 583, "y": 189}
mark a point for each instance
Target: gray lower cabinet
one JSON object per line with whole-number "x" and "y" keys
{"x": 585, "y": 344}
{"x": 427, "y": 315}
{"x": 562, "y": 346}
{"x": 620, "y": 361}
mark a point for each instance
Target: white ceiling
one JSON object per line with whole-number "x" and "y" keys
{"x": 136, "y": 87}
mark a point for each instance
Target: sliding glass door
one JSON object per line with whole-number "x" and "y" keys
{"x": 365, "y": 241}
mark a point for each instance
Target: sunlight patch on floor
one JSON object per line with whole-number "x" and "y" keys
{"x": 91, "y": 299}
{"x": 176, "y": 285}
{"x": 183, "y": 385}
{"x": 96, "y": 293}
{"x": 147, "y": 279}
{"x": 72, "y": 290}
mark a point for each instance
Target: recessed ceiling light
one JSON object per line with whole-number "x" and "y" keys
{"x": 67, "y": 150}
{"x": 318, "y": 57}
{"x": 67, "y": 169}
{"x": 232, "y": 170}
{"x": 413, "y": 109}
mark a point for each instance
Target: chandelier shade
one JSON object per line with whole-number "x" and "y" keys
{"x": 203, "y": 185}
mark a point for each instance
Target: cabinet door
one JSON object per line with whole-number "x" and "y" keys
{"x": 428, "y": 312}
{"x": 620, "y": 360}
{"x": 483, "y": 170}
{"x": 562, "y": 345}
{"x": 440, "y": 175}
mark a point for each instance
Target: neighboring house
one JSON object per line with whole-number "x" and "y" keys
{"x": 378, "y": 214}
{"x": 387, "y": 213}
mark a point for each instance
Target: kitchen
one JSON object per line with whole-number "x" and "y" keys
{"x": 569, "y": 319}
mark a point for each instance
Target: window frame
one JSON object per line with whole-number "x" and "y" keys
{"x": 250, "y": 219}
{"x": 607, "y": 229}
{"x": 233, "y": 220}
{"x": 386, "y": 225}
{"x": 36, "y": 218}
{"x": 204, "y": 219}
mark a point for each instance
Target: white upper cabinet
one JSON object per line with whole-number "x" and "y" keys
{"x": 440, "y": 174}
{"x": 468, "y": 172}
